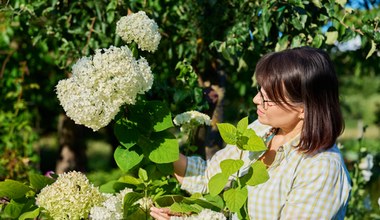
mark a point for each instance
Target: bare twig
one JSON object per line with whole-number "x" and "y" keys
{"x": 89, "y": 35}
{"x": 5, "y": 63}
{"x": 346, "y": 26}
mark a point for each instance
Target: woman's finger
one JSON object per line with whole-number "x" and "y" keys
{"x": 160, "y": 213}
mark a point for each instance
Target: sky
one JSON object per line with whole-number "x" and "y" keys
{"x": 359, "y": 3}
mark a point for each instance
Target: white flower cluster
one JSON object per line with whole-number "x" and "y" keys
{"x": 366, "y": 164}
{"x": 191, "y": 119}
{"x": 111, "y": 208}
{"x": 99, "y": 85}
{"x": 139, "y": 28}
{"x": 71, "y": 196}
{"x": 204, "y": 214}
{"x": 145, "y": 203}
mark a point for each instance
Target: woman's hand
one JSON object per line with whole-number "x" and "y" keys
{"x": 160, "y": 213}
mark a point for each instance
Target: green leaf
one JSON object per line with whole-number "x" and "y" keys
{"x": 318, "y": 40}
{"x": 164, "y": 148}
{"x": 280, "y": 9}
{"x": 266, "y": 24}
{"x": 168, "y": 200}
{"x": 242, "y": 125}
{"x": 244, "y": 138}
{"x": 196, "y": 196}
{"x": 160, "y": 115}
{"x": 282, "y": 44}
{"x": 111, "y": 11}
{"x": 113, "y": 186}
{"x": 255, "y": 143}
{"x": 143, "y": 175}
{"x": 224, "y": 51}
{"x": 130, "y": 208}
{"x": 217, "y": 183}
{"x": 125, "y": 159}
{"x": 126, "y": 132}
{"x": 317, "y": 3}
{"x": 13, "y": 189}
{"x": 230, "y": 166}
{"x": 372, "y": 50}
{"x": 130, "y": 180}
{"x": 135, "y": 212}
{"x": 165, "y": 168}
{"x": 131, "y": 198}
{"x": 198, "y": 95}
{"x": 214, "y": 203}
{"x": 249, "y": 132}
{"x": 331, "y": 37}
{"x": 341, "y": 2}
{"x": 242, "y": 65}
{"x": 368, "y": 29}
{"x": 215, "y": 200}
{"x": 184, "y": 208}
{"x": 150, "y": 116}
{"x": 235, "y": 198}
{"x": 228, "y": 132}
{"x": 30, "y": 214}
{"x": 13, "y": 209}
{"x": 296, "y": 41}
{"x": 260, "y": 174}
{"x": 38, "y": 181}
{"x": 296, "y": 22}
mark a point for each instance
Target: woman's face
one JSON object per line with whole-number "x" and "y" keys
{"x": 272, "y": 114}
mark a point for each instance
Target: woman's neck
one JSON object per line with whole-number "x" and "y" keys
{"x": 288, "y": 133}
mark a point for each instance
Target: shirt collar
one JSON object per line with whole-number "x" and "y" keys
{"x": 289, "y": 147}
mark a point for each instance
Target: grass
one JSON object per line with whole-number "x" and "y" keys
{"x": 372, "y": 132}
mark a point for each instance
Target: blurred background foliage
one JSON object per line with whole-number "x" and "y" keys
{"x": 205, "y": 62}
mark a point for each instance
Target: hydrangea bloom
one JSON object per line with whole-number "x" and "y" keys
{"x": 366, "y": 164}
{"x": 111, "y": 208}
{"x": 190, "y": 119}
{"x": 145, "y": 203}
{"x": 99, "y": 85}
{"x": 139, "y": 28}
{"x": 71, "y": 196}
{"x": 204, "y": 214}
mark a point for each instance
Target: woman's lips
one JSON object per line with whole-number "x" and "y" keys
{"x": 259, "y": 112}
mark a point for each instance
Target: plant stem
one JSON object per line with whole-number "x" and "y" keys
{"x": 238, "y": 172}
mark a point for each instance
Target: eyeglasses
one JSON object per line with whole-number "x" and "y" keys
{"x": 265, "y": 103}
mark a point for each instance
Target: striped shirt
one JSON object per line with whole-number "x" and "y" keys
{"x": 300, "y": 186}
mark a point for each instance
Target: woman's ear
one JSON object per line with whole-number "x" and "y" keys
{"x": 301, "y": 114}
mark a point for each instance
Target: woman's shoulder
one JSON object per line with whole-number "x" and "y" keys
{"x": 259, "y": 128}
{"x": 331, "y": 157}
{"x": 327, "y": 166}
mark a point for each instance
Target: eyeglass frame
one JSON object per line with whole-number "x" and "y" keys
{"x": 263, "y": 100}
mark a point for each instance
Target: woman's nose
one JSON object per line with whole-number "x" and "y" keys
{"x": 256, "y": 99}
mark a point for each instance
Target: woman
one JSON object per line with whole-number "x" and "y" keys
{"x": 300, "y": 119}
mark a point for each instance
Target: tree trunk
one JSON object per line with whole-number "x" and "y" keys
{"x": 214, "y": 89}
{"x": 72, "y": 149}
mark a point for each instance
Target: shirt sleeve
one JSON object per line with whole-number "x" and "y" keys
{"x": 319, "y": 191}
{"x": 199, "y": 171}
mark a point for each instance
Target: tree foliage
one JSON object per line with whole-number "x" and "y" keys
{"x": 205, "y": 43}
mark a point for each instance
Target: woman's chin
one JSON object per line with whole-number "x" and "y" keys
{"x": 261, "y": 120}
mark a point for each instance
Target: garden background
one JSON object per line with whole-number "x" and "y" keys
{"x": 205, "y": 62}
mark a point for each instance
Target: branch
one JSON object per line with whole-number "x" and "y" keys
{"x": 353, "y": 29}
{"x": 89, "y": 35}
{"x": 5, "y": 63}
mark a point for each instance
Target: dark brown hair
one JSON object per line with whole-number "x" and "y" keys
{"x": 305, "y": 75}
